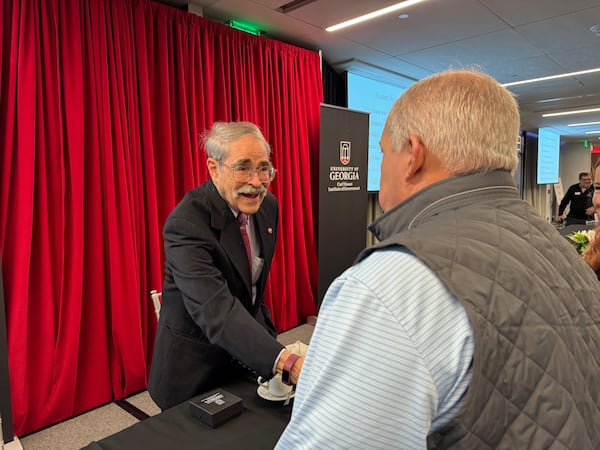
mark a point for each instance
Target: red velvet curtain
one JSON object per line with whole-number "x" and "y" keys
{"x": 101, "y": 106}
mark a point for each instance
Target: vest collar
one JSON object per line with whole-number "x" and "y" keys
{"x": 437, "y": 196}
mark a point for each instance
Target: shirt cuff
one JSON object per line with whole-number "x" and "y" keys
{"x": 277, "y": 359}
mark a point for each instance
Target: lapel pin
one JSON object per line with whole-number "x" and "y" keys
{"x": 270, "y": 230}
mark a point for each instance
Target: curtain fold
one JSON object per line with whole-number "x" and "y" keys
{"x": 101, "y": 107}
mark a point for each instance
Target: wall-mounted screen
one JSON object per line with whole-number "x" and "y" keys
{"x": 376, "y": 98}
{"x": 548, "y": 156}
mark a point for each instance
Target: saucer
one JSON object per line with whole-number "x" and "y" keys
{"x": 263, "y": 392}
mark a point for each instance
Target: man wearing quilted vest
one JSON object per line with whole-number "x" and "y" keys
{"x": 472, "y": 324}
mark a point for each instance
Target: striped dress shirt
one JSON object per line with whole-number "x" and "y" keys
{"x": 388, "y": 362}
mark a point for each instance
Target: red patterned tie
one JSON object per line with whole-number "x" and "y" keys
{"x": 243, "y": 221}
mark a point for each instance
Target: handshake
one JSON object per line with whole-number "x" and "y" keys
{"x": 290, "y": 362}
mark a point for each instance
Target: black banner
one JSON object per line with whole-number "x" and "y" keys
{"x": 342, "y": 191}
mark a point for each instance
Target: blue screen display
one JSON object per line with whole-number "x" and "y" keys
{"x": 376, "y": 98}
{"x": 548, "y": 156}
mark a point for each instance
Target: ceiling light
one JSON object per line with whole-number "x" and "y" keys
{"x": 592, "y": 132}
{"x": 582, "y": 124}
{"x": 566, "y": 113}
{"x": 552, "y": 77}
{"x": 372, "y": 15}
{"x": 562, "y": 99}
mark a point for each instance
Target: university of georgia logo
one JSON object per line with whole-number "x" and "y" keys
{"x": 345, "y": 152}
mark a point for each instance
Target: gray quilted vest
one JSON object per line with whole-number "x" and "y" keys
{"x": 534, "y": 307}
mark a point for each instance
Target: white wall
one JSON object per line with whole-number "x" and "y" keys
{"x": 574, "y": 158}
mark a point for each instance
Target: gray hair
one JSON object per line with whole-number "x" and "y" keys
{"x": 216, "y": 140}
{"x": 463, "y": 117}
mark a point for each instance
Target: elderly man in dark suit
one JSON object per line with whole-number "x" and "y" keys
{"x": 219, "y": 243}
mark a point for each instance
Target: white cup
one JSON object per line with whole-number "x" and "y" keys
{"x": 275, "y": 386}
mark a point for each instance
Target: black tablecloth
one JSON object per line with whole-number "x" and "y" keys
{"x": 258, "y": 427}
{"x": 572, "y": 228}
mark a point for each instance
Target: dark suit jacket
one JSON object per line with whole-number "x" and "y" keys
{"x": 207, "y": 319}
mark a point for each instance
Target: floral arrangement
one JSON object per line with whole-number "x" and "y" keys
{"x": 581, "y": 239}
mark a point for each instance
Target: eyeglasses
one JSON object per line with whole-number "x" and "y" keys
{"x": 243, "y": 174}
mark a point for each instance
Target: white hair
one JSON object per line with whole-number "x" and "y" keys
{"x": 463, "y": 117}
{"x": 221, "y": 134}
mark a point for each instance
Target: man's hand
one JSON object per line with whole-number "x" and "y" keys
{"x": 296, "y": 368}
{"x": 560, "y": 218}
{"x": 590, "y": 211}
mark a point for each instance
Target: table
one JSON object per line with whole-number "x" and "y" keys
{"x": 572, "y": 228}
{"x": 258, "y": 427}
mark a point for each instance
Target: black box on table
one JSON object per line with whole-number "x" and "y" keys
{"x": 215, "y": 407}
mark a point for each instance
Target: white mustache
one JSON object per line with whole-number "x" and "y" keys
{"x": 251, "y": 190}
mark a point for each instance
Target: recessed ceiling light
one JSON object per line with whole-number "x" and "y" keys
{"x": 582, "y": 124}
{"x": 552, "y": 77}
{"x": 561, "y": 99}
{"x": 566, "y": 113}
{"x": 372, "y": 15}
{"x": 403, "y": 16}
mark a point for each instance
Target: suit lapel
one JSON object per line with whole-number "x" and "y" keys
{"x": 231, "y": 238}
{"x": 233, "y": 244}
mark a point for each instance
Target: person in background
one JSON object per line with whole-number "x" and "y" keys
{"x": 213, "y": 317}
{"x": 579, "y": 197}
{"x": 472, "y": 323}
{"x": 591, "y": 254}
